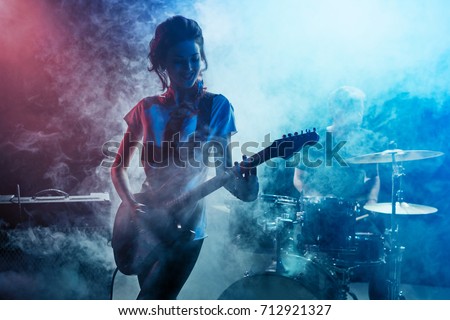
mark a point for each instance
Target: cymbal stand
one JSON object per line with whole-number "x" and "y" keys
{"x": 395, "y": 251}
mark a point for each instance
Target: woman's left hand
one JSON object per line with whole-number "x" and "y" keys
{"x": 245, "y": 185}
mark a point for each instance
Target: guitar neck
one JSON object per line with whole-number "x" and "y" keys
{"x": 283, "y": 148}
{"x": 200, "y": 191}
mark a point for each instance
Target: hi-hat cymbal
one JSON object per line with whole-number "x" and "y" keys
{"x": 400, "y": 155}
{"x": 400, "y": 208}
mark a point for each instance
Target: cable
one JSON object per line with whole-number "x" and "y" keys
{"x": 112, "y": 283}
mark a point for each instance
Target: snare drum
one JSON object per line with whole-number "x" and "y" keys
{"x": 327, "y": 223}
{"x": 306, "y": 280}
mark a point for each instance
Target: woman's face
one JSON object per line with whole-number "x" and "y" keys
{"x": 183, "y": 64}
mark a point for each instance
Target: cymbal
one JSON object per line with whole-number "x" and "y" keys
{"x": 400, "y": 155}
{"x": 400, "y": 208}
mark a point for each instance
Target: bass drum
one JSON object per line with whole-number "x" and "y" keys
{"x": 304, "y": 280}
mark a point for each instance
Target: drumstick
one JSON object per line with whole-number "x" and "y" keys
{"x": 362, "y": 217}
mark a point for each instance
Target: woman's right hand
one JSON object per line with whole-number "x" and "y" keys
{"x": 138, "y": 208}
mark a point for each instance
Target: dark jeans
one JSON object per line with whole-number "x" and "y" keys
{"x": 164, "y": 279}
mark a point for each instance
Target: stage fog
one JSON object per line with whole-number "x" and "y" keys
{"x": 70, "y": 70}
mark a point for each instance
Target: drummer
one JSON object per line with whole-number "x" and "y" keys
{"x": 335, "y": 178}
{"x": 346, "y": 138}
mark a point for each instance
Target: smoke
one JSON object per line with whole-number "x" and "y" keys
{"x": 72, "y": 69}
{"x": 47, "y": 263}
{"x": 284, "y": 60}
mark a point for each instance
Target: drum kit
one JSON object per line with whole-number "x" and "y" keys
{"x": 315, "y": 248}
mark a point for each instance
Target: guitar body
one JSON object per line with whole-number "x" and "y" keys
{"x": 139, "y": 239}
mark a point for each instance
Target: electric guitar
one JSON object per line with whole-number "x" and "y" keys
{"x": 138, "y": 238}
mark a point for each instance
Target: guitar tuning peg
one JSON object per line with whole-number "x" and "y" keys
{"x": 284, "y": 136}
{"x": 314, "y": 129}
{"x": 289, "y": 134}
{"x": 295, "y": 133}
{"x": 301, "y": 132}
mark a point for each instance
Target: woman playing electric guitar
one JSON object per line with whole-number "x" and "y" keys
{"x": 153, "y": 238}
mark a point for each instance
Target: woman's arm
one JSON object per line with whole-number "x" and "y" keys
{"x": 119, "y": 174}
{"x": 245, "y": 185}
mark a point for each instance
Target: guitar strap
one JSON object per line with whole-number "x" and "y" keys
{"x": 178, "y": 116}
{"x": 204, "y": 115}
{"x": 203, "y": 118}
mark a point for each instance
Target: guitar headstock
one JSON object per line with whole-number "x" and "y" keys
{"x": 292, "y": 143}
{"x": 284, "y": 148}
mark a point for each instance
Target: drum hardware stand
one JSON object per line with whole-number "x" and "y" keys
{"x": 342, "y": 276}
{"x": 277, "y": 266}
{"x": 283, "y": 226}
{"x": 394, "y": 251}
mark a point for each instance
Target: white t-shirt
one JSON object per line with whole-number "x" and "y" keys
{"x": 172, "y": 174}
